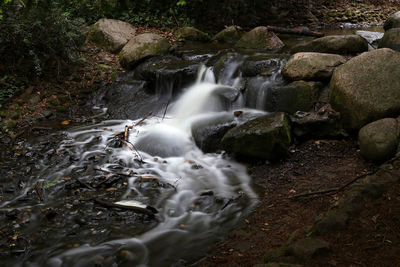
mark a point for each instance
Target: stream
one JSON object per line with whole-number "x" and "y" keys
{"x": 126, "y": 188}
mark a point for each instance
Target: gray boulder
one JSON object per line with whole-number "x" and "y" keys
{"x": 141, "y": 47}
{"x": 111, "y": 34}
{"x": 192, "y": 34}
{"x": 393, "y": 21}
{"x": 229, "y": 35}
{"x": 308, "y": 248}
{"x": 311, "y": 66}
{"x": 267, "y": 137}
{"x": 260, "y": 38}
{"x": 391, "y": 39}
{"x": 367, "y": 88}
{"x": 379, "y": 140}
{"x": 335, "y": 44}
{"x": 261, "y": 65}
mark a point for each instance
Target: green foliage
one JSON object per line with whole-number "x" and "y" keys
{"x": 37, "y": 37}
{"x": 9, "y": 86}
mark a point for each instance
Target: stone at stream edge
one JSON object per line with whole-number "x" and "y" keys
{"x": 141, "y": 47}
{"x": 311, "y": 66}
{"x": 267, "y": 137}
{"x": 192, "y": 34}
{"x": 379, "y": 140}
{"x": 393, "y": 21}
{"x": 261, "y": 39}
{"x": 230, "y": 34}
{"x": 111, "y": 34}
{"x": 391, "y": 39}
{"x": 367, "y": 88}
{"x": 335, "y": 44}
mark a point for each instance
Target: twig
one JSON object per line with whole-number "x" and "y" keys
{"x": 335, "y": 190}
{"x": 107, "y": 171}
{"x": 144, "y": 118}
{"x": 126, "y": 132}
{"x": 149, "y": 211}
{"x": 37, "y": 189}
{"x": 132, "y": 148}
{"x": 165, "y": 111}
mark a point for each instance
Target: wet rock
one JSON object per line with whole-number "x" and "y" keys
{"x": 260, "y": 38}
{"x": 308, "y": 248}
{"x": 230, "y": 34}
{"x": 391, "y": 39}
{"x": 335, "y": 44}
{"x": 296, "y": 96}
{"x": 168, "y": 72}
{"x": 224, "y": 66}
{"x": 192, "y": 34}
{"x": 111, "y": 34}
{"x": 374, "y": 190}
{"x": 260, "y": 65}
{"x": 311, "y": 66}
{"x": 325, "y": 123}
{"x": 267, "y": 137}
{"x": 141, "y": 47}
{"x": 366, "y": 88}
{"x": 379, "y": 140}
{"x": 371, "y": 37}
{"x": 330, "y": 222}
{"x": 392, "y": 22}
{"x": 34, "y": 100}
{"x": 277, "y": 264}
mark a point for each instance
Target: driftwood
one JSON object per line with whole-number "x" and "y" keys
{"x": 299, "y": 30}
{"x": 149, "y": 211}
{"x": 331, "y": 190}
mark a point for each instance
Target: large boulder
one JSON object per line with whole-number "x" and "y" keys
{"x": 367, "y": 88}
{"x": 371, "y": 37}
{"x": 335, "y": 44}
{"x": 229, "y": 35}
{"x": 192, "y": 34}
{"x": 379, "y": 139}
{"x": 311, "y": 66}
{"x": 391, "y": 39}
{"x": 393, "y": 21}
{"x": 267, "y": 137}
{"x": 260, "y": 38}
{"x": 141, "y": 47}
{"x": 111, "y": 34}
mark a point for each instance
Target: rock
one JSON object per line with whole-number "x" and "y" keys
{"x": 379, "y": 140}
{"x": 230, "y": 34}
{"x": 278, "y": 264}
{"x": 267, "y": 137}
{"x": 34, "y": 100}
{"x": 208, "y": 133}
{"x": 260, "y": 65}
{"x": 330, "y": 222}
{"x": 192, "y": 34}
{"x": 308, "y": 248}
{"x": 317, "y": 124}
{"x": 222, "y": 66}
{"x": 311, "y": 66}
{"x": 391, "y": 39}
{"x": 392, "y": 22}
{"x": 371, "y": 37}
{"x": 299, "y": 95}
{"x": 260, "y": 38}
{"x": 167, "y": 72}
{"x": 367, "y": 88}
{"x": 111, "y": 34}
{"x": 141, "y": 47}
{"x": 335, "y": 44}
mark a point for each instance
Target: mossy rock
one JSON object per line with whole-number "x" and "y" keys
{"x": 311, "y": 66}
{"x": 267, "y": 137}
{"x": 230, "y": 34}
{"x": 392, "y": 22}
{"x": 141, "y": 47}
{"x": 335, "y": 44}
{"x": 366, "y": 88}
{"x": 391, "y": 39}
{"x": 261, "y": 39}
{"x": 192, "y": 34}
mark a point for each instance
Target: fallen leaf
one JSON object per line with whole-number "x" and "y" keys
{"x": 65, "y": 122}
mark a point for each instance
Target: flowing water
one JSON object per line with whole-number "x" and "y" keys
{"x": 197, "y": 197}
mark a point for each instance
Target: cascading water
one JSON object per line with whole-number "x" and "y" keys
{"x": 199, "y": 196}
